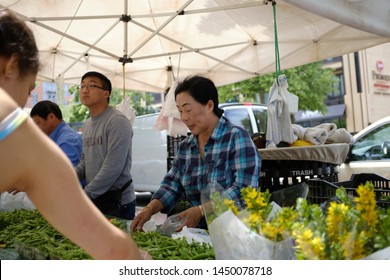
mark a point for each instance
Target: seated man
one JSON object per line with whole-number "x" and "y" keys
{"x": 48, "y": 116}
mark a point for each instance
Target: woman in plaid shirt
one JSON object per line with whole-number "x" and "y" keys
{"x": 216, "y": 152}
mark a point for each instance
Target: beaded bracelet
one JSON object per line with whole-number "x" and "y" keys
{"x": 12, "y": 122}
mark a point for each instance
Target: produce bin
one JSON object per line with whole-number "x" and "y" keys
{"x": 321, "y": 190}
{"x": 284, "y": 167}
{"x": 172, "y": 147}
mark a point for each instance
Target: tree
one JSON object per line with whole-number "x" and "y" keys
{"x": 310, "y": 82}
{"x": 140, "y": 101}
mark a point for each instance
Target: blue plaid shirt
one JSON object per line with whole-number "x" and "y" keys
{"x": 230, "y": 158}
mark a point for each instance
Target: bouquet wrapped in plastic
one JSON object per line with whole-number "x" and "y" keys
{"x": 231, "y": 229}
{"x": 344, "y": 228}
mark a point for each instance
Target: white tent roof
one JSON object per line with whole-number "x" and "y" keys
{"x": 228, "y": 40}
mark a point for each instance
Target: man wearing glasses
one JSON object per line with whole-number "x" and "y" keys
{"x": 106, "y": 158}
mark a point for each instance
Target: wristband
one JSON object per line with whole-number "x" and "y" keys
{"x": 12, "y": 122}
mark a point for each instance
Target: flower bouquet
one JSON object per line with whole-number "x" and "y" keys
{"x": 345, "y": 228}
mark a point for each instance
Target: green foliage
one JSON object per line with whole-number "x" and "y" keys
{"x": 310, "y": 82}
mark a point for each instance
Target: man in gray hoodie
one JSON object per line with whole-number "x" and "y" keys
{"x": 107, "y": 146}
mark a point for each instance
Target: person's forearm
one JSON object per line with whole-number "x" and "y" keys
{"x": 79, "y": 218}
{"x": 154, "y": 206}
{"x": 55, "y": 191}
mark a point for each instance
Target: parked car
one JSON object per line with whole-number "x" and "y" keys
{"x": 370, "y": 153}
{"x": 150, "y": 149}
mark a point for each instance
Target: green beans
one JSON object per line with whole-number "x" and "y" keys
{"x": 34, "y": 238}
{"x": 161, "y": 247}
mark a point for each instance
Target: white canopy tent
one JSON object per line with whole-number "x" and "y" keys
{"x": 145, "y": 44}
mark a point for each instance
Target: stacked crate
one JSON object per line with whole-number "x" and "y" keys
{"x": 172, "y": 147}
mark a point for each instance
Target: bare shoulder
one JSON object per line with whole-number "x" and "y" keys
{"x": 7, "y": 104}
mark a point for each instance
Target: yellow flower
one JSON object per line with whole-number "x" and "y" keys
{"x": 366, "y": 204}
{"x": 353, "y": 246}
{"x": 249, "y": 204}
{"x": 307, "y": 234}
{"x": 318, "y": 247}
{"x": 260, "y": 201}
{"x": 250, "y": 193}
{"x": 307, "y": 246}
{"x": 255, "y": 220}
{"x": 231, "y": 205}
{"x": 347, "y": 230}
{"x": 269, "y": 231}
{"x": 335, "y": 219}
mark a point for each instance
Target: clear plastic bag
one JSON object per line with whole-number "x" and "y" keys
{"x": 171, "y": 224}
{"x": 10, "y": 202}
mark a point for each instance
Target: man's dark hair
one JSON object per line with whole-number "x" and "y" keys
{"x": 44, "y": 108}
{"x": 202, "y": 90}
{"x": 105, "y": 81}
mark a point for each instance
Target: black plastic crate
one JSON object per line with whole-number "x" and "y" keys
{"x": 169, "y": 163}
{"x": 172, "y": 147}
{"x": 322, "y": 190}
{"x": 378, "y": 181}
{"x": 279, "y": 174}
{"x": 173, "y": 144}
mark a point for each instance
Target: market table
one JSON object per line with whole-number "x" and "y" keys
{"x": 283, "y": 167}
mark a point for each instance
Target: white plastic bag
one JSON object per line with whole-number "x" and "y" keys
{"x": 10, "y": 202}
{"x": 193, "y": 235}
{"x": 125, "y": 108}
{"x": 383, "y": 254}
{"x": 279, "y": 126}
{"x": 169, "y": 117}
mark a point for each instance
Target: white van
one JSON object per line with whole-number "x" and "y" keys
{"x": 150, "y": 149}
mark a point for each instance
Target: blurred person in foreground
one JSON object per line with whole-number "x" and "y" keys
{"x": 105, "y": 162}
{"x": 48, "y": 116}
{"x": 216, "y": 151}
{"x": 53, "y": 187}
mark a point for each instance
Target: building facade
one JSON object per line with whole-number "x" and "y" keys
{"x": 362, "y": 95}
{"x": 367, "y": 86}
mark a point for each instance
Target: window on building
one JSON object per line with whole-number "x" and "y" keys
{"x": 50, "y": 95}
{"x": 34, "y": 98}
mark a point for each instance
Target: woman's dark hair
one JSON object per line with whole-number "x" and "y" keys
{"x": 44, "y": 108}
{"x": 17, "y": 38}
{"x": 201, "y": 89}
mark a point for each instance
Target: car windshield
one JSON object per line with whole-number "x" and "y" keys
{"x": 373, "y": 146}
{"x": 239, "y": 117}
{"x": 261, "y": 119}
